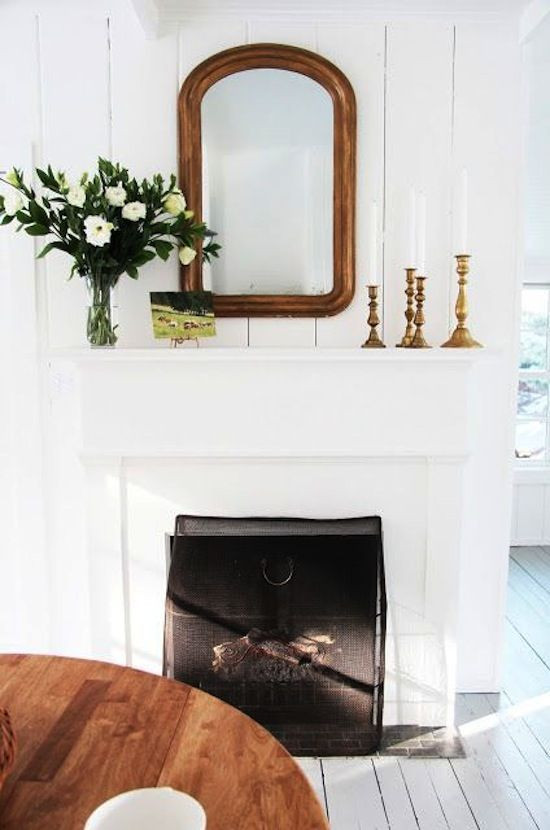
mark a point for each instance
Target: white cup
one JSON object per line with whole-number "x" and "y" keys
{"x": 161, "y": 808}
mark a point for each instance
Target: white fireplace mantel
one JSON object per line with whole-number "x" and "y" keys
{"x": 301, "y": 403}
{"x": 149, "y": 433}
{"x": 189, "y": 353}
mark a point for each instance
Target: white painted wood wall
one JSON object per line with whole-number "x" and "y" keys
{"x": 531, "y": 507}
{"x": 434, "y": 95}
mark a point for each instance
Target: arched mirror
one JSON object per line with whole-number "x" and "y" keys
{"x": 267, "y": 159}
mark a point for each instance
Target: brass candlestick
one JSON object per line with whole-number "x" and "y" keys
{"x": 461, "y": 337}
{"x": 373, "y": 341}
{"x": 418, "y": 341}
{"x": 406, "y": 340}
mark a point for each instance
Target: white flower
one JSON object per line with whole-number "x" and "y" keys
{"x": 12, "y": 203}
{"x": 134, "y": 211}
{"x": 98, "y": 230}
{"x": 187, "y": 255}
{"x": 12, "y": 178}
{"x": 116, "y": 196}
{"x": 76, "y": 196}
{"x": 175, "y": 203}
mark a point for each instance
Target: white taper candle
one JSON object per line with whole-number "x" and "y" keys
{"x": 411, "y": 250}
{"x": 462, "y": 214}
{"x": 421, "y": 234}
{"x": 372, "y": 273}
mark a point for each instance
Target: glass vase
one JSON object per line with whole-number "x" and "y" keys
{"x": 101, "y": 325}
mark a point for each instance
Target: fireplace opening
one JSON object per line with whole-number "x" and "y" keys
{"x": 285, "y": 619}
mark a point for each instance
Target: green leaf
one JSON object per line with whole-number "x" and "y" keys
{"x": 58, "y": 245}
{"x": 132, "y": 272}
{"x": 142, "y": 258}
{"x": 162, "y": 248}
{"x": 7, "y": 219}
{"x": 44, "y": 178}
{"x": 37, "y": 230}
{"x": 38, "y": 213}
{"x": 24, "y": 218}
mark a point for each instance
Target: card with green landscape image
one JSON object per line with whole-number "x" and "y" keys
{"x": 182, "y": 315}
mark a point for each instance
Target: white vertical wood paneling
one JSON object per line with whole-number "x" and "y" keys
{"x": 74, "y": 72}
{"x": 280, "y": 330}
{"x": 531, "y": 512}
{"x": 198, "y": 41}
{"x": 74, "y": 113}
{"x": 359, "y": 52}
{"x": 119, "y": 73}
{"x": 531, "y": 524}
{"x": 418, "y": 153}
{"x": 486, "y": 142}
{"x": 26, "y": 577}
{"x": 144, "y": 88}
{"x": 303, "y": 35}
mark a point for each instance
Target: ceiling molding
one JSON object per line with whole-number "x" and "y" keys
{"x": 332, "y": 10}
{"x": 147, "y": 12}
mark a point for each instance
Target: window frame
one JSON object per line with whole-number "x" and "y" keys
{"x": 536, "y": 374}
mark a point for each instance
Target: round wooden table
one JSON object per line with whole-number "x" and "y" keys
{"x": 88, "y": 730}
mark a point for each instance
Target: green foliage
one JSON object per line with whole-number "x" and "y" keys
{"x": 87, "y": 220}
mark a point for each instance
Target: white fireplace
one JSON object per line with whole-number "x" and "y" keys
{"x": 146, "y": 434}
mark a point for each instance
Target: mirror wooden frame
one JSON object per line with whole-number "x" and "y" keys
{"x": 275, "y": 56}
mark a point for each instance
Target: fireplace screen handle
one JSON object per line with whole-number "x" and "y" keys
{"x": 284, "y": 581}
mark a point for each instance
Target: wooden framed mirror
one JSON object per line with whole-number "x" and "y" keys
{"x": 267, "y": 159}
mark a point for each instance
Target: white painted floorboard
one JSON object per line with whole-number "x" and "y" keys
{"x": 505, "y": 780}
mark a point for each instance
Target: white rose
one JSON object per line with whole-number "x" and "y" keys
{"x": 116, "y": 196}
{"x": 12, "y": 178}
{"x": 76, "y": 196}
{"x": 187, "y": 255}
{"x": 12, "y": 203}
{"x": 134, "y": 211}
{"x": 175, "y": 203}
{"x": 98, "y": 230}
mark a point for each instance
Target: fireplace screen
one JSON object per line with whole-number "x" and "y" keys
{"x": 285, "y": 619}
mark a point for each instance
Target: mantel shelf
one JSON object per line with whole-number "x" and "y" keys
{"x": 307, "y": 355}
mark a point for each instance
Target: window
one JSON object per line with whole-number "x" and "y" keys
{"x": 533, "y": 423}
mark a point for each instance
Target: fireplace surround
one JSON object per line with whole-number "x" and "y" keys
{"x": 285, "y": 619}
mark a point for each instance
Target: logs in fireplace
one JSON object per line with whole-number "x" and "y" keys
{"x": 285, "y": 619}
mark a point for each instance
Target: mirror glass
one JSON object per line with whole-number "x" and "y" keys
{"x": 267, "y": 178}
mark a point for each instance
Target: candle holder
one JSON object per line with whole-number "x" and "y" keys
{"x": 461, "y": 337}
{"x": 406, "y": 340}
{"x": 373, "y": 341}
{"x": 418, "y": 341}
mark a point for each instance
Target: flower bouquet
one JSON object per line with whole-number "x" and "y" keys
{"x": 110, "y": 224}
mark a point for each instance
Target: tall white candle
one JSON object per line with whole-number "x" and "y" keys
{"x": 372, "y": 273}
{"x": 462, "y": 214}
{"x": 421, "y": 234}
{"x": 411, "y": 249}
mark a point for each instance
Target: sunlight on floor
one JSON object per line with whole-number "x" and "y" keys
{"x": 519, "y": 710}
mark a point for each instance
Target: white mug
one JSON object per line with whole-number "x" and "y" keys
{"x": 161, "y": 808}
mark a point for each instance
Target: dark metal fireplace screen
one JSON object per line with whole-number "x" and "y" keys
{"x": 285, "y": 619}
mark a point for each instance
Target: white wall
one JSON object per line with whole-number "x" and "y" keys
{"x": 531, "y": 501}
{"x": 434, "y": 95}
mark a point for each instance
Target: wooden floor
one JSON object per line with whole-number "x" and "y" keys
{"x": 505, "y": 780}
